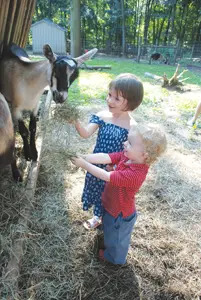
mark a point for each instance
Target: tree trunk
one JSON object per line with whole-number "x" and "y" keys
{"x": 50, "y": 10}
{"x": 75, "y": 28}
{"x": 147, "y": 19}
{"x": 160, "y": 30}
{"x": 154, "y": 32}
{"x": 123, "y": 28}
{"x": 97, "y": 13}
{"x": 170, "y": 37}
{"x": 184, "y": 17}
{"x": 135, "y": 24}
{"x": 198, "y": 35}
{"x": 168, "y": 26}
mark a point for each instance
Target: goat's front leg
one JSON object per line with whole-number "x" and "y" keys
{"x": 24, "y": 134}
{"x": 16, "y": 174}
{"x": 32, "y": 129}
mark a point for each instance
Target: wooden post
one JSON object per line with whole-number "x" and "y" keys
{"x": 75, "y": 30}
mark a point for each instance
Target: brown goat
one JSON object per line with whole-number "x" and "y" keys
{"x": 22, "y": 82}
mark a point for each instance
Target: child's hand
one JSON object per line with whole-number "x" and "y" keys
{"x": 78, "y": 161}
{"x": 72, "y": 122}
{"x": 110, "y": 168}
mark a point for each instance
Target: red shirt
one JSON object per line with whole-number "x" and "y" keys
{"x": 119, "y": 194}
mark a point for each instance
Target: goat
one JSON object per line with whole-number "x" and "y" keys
{"x": 158, "y": 56}
{"x": 22, "y": 83}
{"x": 7, "y": 139}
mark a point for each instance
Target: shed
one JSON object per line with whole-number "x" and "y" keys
{"x": 47, "y": 32}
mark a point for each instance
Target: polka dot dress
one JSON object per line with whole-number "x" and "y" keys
{"x": 110, "y": 139}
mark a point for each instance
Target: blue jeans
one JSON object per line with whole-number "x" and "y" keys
{"x": 117, "y": 236}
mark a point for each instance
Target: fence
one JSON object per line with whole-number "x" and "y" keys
{"x": 187, "y": 54}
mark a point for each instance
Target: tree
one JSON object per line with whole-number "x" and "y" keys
{"x": 115, "y": 24}
{"x": 123, "y": 28}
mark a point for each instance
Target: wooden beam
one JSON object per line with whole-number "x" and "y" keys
{"x": 3, "y": 18}
{"x": 27, "y": 22}
{"x": 9, "y": 21}
{"x": 18, "y": 21}
{"x": 84, "y": 66}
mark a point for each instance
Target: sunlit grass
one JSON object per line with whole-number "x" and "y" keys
{"x": 165, "y": 92}
{"x": 94, "y": 84}
{"x": 90, "y": 85}
{"x": 186, "y": 105}
{"x": 119, "y": 65}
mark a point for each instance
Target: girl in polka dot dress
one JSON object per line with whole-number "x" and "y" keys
{"x": 125, "y": 94}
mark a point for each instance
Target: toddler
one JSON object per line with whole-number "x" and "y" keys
{"x": 143, "y": 147}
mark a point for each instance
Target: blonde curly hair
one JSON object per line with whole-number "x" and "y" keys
{"x": 154, "y": 140}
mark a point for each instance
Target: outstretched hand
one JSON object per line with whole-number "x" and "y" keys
{"x": 109, "y": 167}
{"x": 78, "y": 161}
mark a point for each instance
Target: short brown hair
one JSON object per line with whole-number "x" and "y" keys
{"x": 131, "y": 89}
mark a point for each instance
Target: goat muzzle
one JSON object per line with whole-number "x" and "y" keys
{"x": 57, "y": 97}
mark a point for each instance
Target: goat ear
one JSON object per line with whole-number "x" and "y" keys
{"x": 47, "y": 51}
{"x": 85, "y": 56}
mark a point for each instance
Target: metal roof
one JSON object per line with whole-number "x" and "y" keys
{"x": 48, "y": 22}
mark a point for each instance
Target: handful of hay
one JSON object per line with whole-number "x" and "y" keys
{"x": 66, "y": 154}
{"x": 70, "y": 154}
{"x": 68, "y": 112}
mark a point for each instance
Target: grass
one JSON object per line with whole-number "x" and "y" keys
{"x": 95, "y": 86}
{"x": 129, "y": 65}
{"x": 91, "y": 85}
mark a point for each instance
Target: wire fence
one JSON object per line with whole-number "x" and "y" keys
{"x": 187, "y": 54}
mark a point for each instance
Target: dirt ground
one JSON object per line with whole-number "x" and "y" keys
{"x": 60, "y": 257}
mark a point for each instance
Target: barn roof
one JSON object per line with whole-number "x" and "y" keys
{"x": 15, "y": 21}
{"x": 48, "y": 22}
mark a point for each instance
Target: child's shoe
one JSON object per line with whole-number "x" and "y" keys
{"x": 191, "y": 122}
{"x": 92, "y": 223}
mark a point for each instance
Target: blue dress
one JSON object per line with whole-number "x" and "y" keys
{"x": 110, "y": 139}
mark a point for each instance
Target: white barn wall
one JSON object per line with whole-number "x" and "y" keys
{"x": 45, "y": 33}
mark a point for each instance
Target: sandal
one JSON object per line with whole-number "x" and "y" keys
{"x": 92, "y": 223}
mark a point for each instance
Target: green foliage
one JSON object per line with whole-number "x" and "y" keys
{"x": 160, "y": 22}
{"x": 55, "y": 10}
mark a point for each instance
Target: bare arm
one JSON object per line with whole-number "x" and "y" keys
{"x": 85, "y": 131}
{"x": 98, "y": 158}
{"x": 96, "y": 171}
